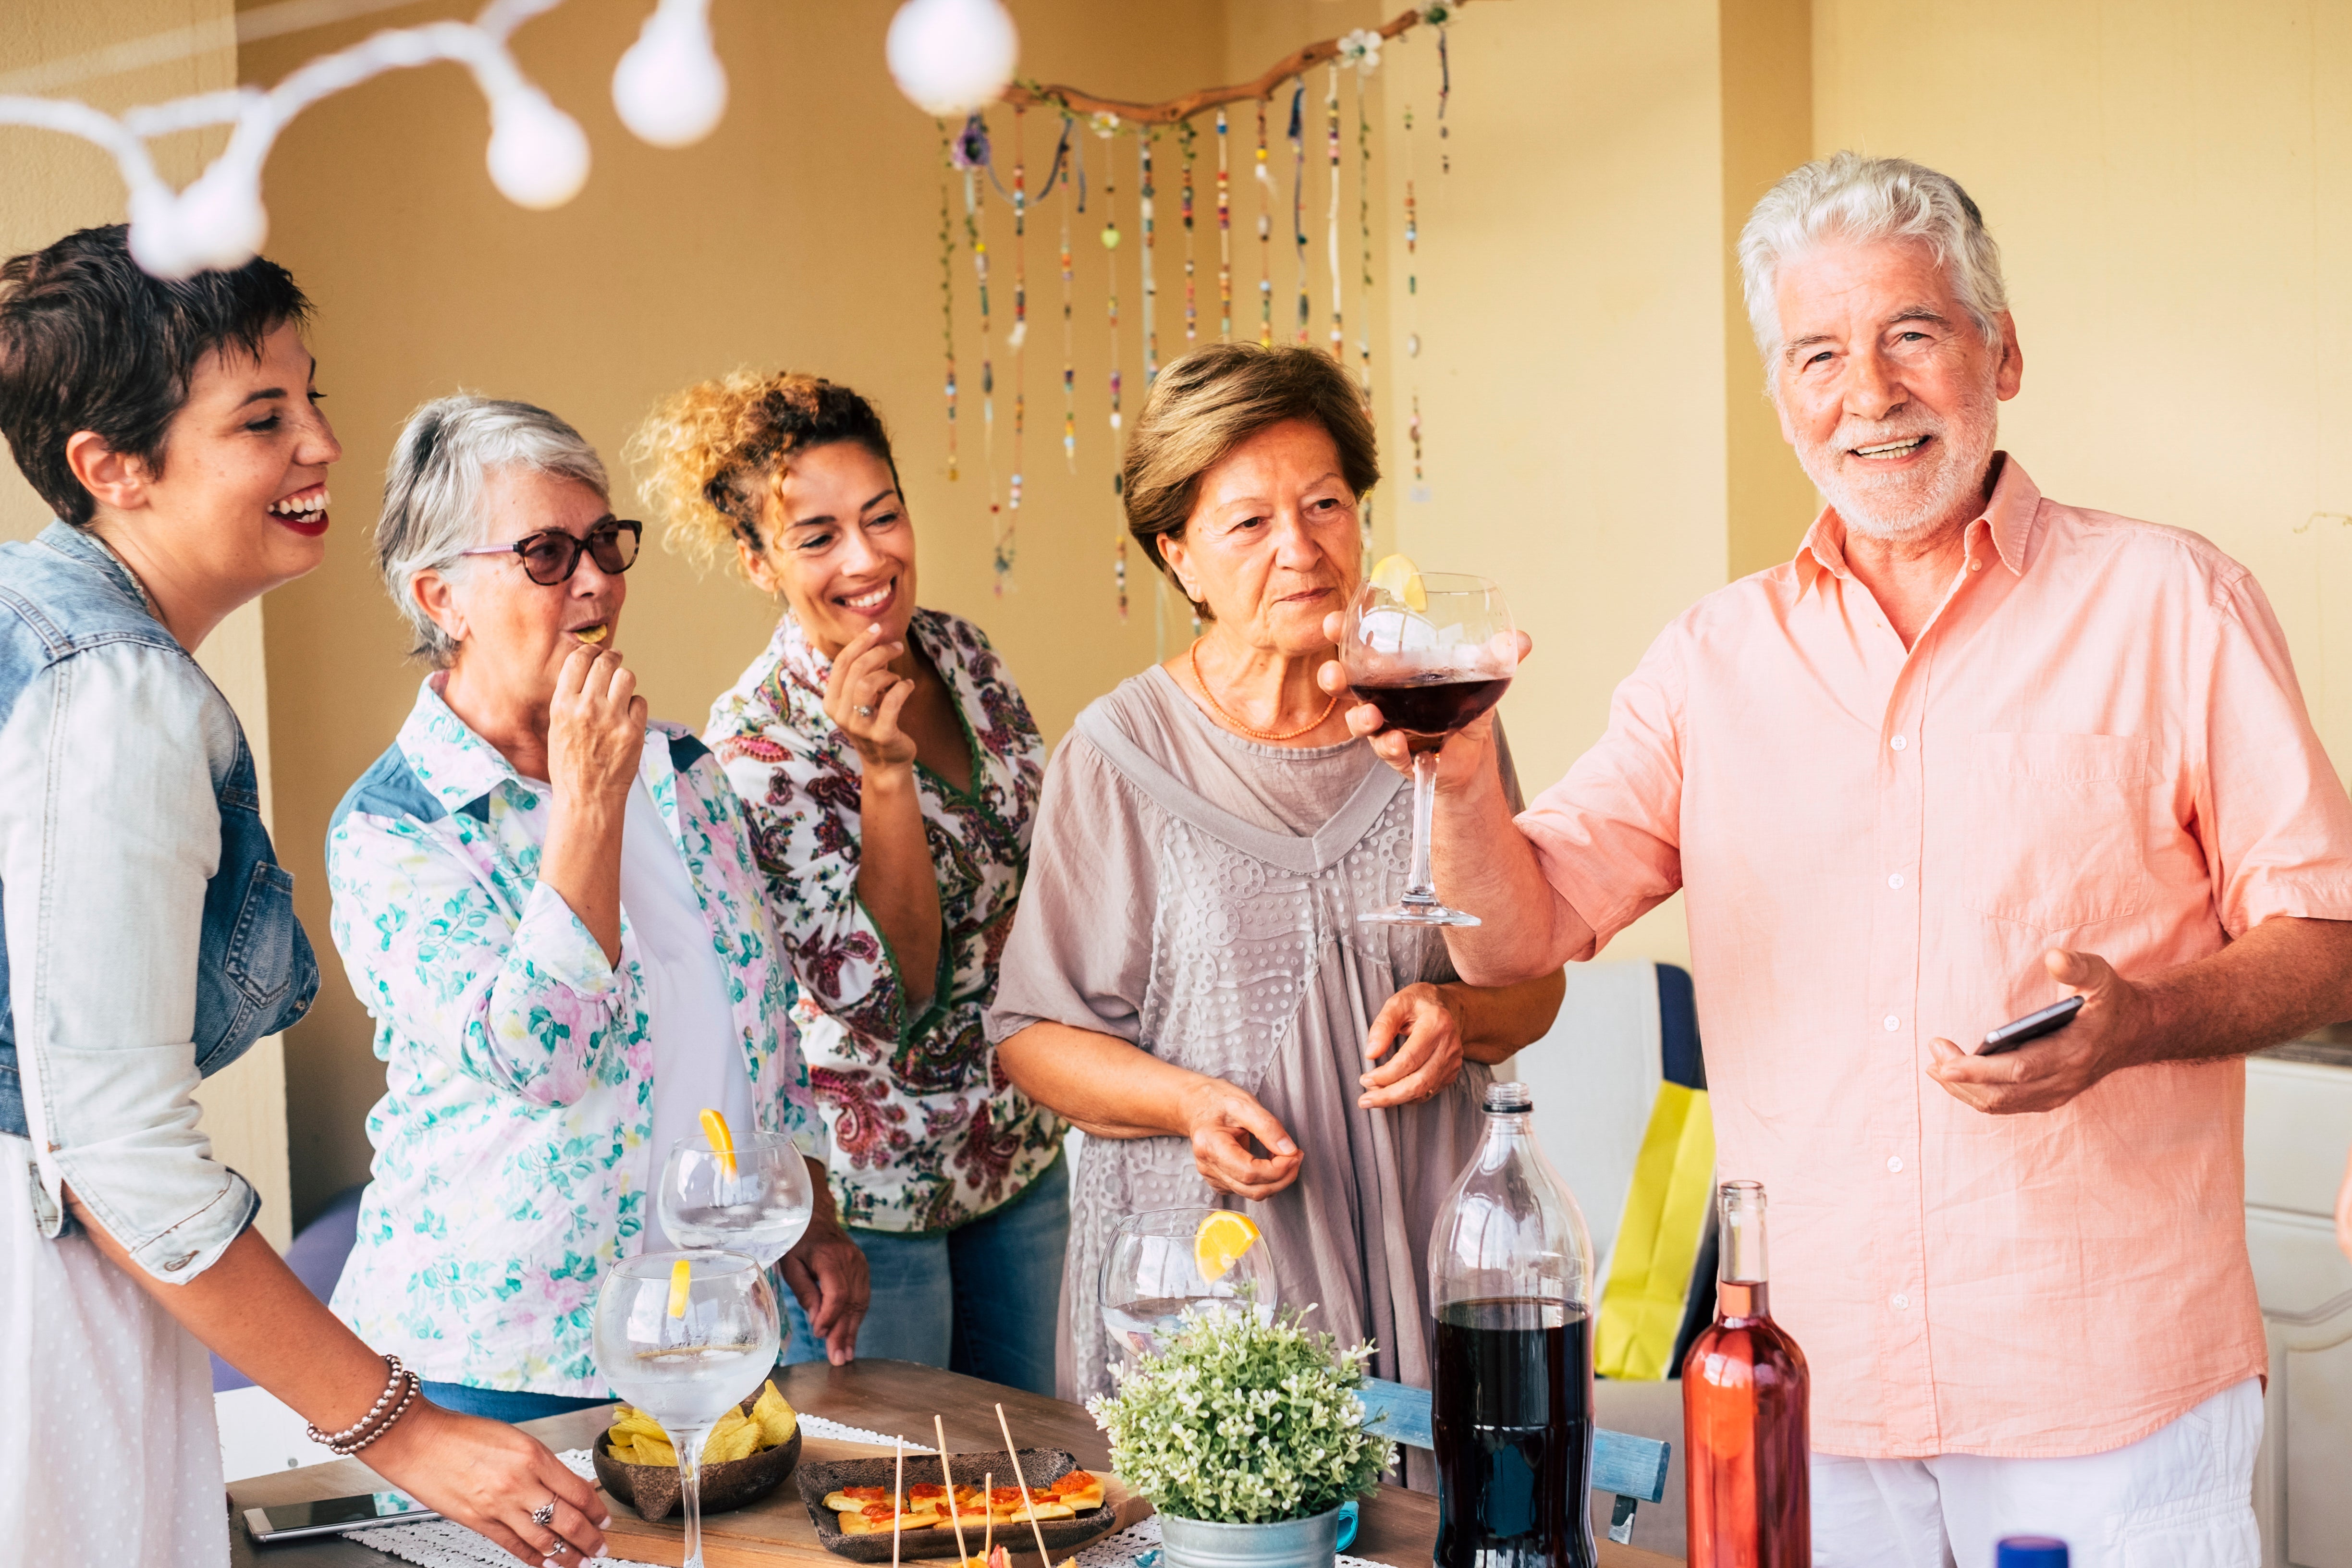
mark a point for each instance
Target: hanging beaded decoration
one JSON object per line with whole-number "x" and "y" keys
{"x": 946, "y": 288}
{"x": 1264, "y": 237}
{"x": 1413, "y": 295}
{"x": 1015, "y": 339}
{"x": 1298, "y": 202}
{"x": 1364, "y": 220}
{"x": 1331, "y": 223}
{"x": 1444, "y": 91}
{"x": 1224, "y": 236}
{"x": 1105, "y": 126}
{"x": 1145, "y": 191}
{"x": 1191, "y": 297}
{"x": 1078, "y": 178}
{"x": 971, "y": 154}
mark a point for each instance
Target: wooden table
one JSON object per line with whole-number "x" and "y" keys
{"x": 895, "y": 1396}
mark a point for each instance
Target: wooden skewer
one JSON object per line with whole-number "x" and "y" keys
{"x": 898, "y": 1502}
{"x": 1028, "y": 1506}
{"x": 946, "y": 1475}
{"x": 988, "y": 1531}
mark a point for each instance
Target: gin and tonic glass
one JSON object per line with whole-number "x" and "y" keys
{"x": 685, "y": 1336}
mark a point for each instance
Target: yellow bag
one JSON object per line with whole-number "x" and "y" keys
{"x": 1643, "y": 1299}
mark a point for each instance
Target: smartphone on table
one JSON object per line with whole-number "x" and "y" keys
{"x": 2032, "y": 1026}
{"x": 293, "y": 1521}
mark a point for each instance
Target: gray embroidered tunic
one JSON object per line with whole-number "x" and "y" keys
{"x": 1196, "y": 894}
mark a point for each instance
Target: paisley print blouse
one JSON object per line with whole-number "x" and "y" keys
{"x": 513, "y": 1146}
{"x": 926, "y": 1133}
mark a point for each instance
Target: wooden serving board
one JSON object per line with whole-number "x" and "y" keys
{"x": 776, "y": 1528}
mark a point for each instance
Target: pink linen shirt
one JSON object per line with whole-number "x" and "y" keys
{"x": 2097, "y": 743}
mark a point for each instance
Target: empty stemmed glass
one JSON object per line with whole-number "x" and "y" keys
{"x": 754, "y": 1198}
{"x": 1431, "y": 659}
{"x": 685, "y": 1336}
{"x": 1164, "y": 1260}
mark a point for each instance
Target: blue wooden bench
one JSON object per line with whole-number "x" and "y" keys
{"x": 1633, "y": 1469}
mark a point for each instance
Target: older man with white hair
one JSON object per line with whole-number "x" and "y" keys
{"x": 1971, "y": 751}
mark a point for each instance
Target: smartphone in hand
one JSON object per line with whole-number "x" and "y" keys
{"x": 2032, "y": 1026}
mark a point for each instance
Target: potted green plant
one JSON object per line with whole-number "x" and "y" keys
{"x": 1247, "y": 1436}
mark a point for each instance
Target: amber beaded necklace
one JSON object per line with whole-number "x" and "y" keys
{"x": 1252, "y": 730}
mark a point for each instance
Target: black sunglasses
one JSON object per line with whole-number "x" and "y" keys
{"x": 554, "y": 555}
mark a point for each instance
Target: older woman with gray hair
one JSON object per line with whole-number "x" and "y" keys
{"x": 550, "y": 905}
{"x": 1188, "y": 980}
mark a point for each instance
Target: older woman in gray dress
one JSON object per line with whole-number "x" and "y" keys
{"x": 1186, "y": 979}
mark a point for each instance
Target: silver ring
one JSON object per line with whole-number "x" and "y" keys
{"x": 863, "y": 712}
{"x": 545, "y": 1514}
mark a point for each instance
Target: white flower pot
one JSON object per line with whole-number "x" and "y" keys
{"x": 1286, "y": 1543}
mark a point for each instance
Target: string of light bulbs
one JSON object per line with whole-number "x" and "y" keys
{"x": 668, "y": 87}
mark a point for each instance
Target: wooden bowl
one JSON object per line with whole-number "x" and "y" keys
{"x": 654, "y": 1490}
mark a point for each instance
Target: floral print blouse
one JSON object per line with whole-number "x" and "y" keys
{"x": 926, "y": 1132}
{"x": 513, "y": 1160}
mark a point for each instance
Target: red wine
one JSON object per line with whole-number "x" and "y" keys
{"x": 1436, "y": 705}
{"x": 1512, "y": 1414}
{"x": 1746, "y": 1432}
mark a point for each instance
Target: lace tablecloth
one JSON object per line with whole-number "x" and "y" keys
{"x": 437, "y": 1544}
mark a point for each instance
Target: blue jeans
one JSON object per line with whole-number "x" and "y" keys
{"x": 503, "y": 1405}
{"x": 981, "y": 1299}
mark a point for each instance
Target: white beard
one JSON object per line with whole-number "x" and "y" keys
{"x": 1912, "y": 505}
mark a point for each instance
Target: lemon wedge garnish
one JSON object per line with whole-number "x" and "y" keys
{"x": 1221, "y": 1241}
{"x": 722, "y": 1142}
{"x": 1397, "y": 576}
{"x": 682, "y": 1279}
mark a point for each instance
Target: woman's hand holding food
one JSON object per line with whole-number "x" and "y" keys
{"x": 864, "y": 696}
{"x": 595, "y": 735}
{"x": 896, "y": 880}
{"x": 1221, "y": 1120}
{"x": 490, "y": 1478}
{"x": 1421, "y": 1034}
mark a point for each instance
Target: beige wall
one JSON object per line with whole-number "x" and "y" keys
{"x": 2171, "y": 185}
{"x": 54, "y": 184}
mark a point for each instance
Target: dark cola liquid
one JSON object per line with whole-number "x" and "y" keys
{"x": 1436, "y": 706}
{"x": 1513, "y": 1413}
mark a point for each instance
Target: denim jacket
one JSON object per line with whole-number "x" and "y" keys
{"x": 150, "y": 932}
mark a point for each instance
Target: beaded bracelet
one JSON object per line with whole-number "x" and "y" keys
{"x": 348, "y": 1450}
{"x": 391, "y": 1390}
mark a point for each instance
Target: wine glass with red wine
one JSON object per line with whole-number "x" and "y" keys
{"x": 1431, "y": 660}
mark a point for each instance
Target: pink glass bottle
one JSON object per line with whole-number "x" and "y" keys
{"x": 1746, "y": 1449}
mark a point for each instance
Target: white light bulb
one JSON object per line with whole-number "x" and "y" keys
{"x": 669, "y": 88}
{"x": 537, "y": 154}
{"x": 222, "y": 221}
{"x": 158, "y": 238}
{"x": 951, "y": 56}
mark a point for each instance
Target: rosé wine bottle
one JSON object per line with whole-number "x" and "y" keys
{"x": 1745, "y": 1451}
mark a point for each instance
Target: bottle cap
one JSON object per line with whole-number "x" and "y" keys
{"x": 2030, "y": 1551}
{"x": 1507, "y": 1096}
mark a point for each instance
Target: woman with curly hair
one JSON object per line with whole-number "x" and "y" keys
{"x": 890, "y": 771}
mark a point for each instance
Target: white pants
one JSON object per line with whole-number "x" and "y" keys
{"x": 2182, "y": 1497}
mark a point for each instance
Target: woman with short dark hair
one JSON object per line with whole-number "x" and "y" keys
{"x": 1188, "y": 981}
{"x": 174, "y": 428}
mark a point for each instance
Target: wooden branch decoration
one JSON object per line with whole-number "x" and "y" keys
{"x": 1024, "y": 95}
